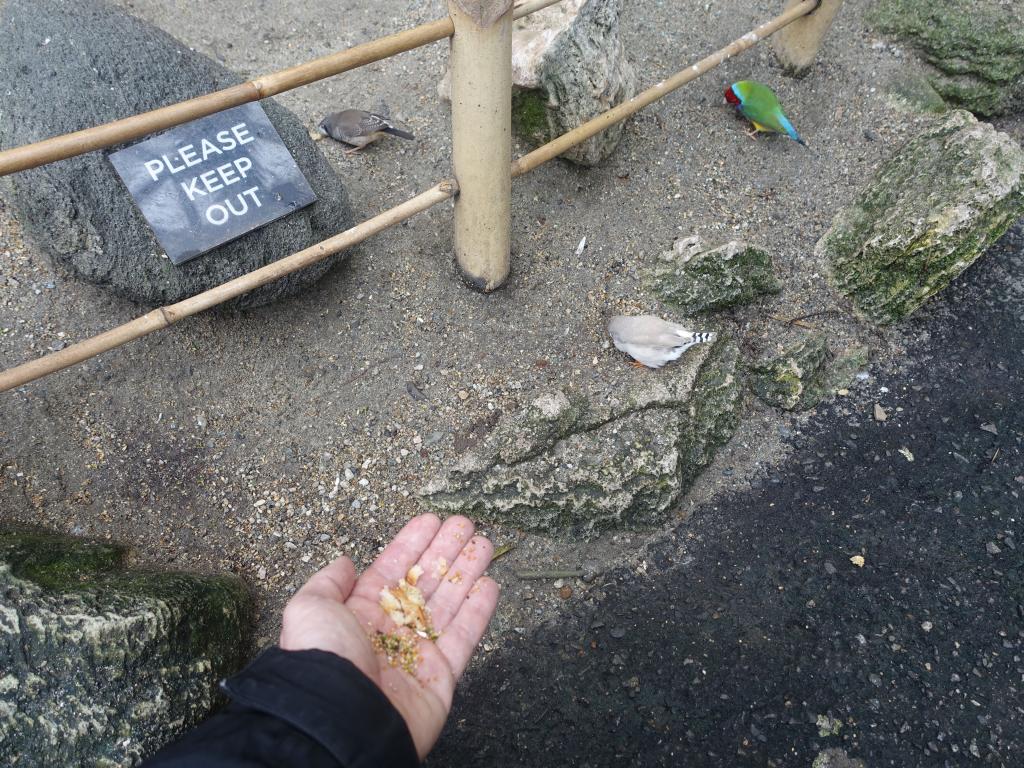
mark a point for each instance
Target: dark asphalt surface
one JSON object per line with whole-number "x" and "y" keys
{"x": 752, "y": 622}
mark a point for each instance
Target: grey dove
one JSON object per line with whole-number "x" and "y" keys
{"x": 357, "y": 128}
{"x": 652, "y": 341}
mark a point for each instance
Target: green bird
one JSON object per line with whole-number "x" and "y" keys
{"x": 759, "y": 104}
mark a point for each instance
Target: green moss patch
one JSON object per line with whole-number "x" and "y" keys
{"x": 976, "y": 49}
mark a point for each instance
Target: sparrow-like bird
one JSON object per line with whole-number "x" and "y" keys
{"x": 651, "y": 341}
{"x": 759, "y": 104}
{"x": 357, "y": 128}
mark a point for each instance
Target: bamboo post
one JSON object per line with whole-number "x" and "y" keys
{"x": 134, "y": 127}
{"x": 798, "y": 44}
{"x": 481, "y": 67}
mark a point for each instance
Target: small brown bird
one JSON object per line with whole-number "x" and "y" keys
{"x": 357, "y": 128}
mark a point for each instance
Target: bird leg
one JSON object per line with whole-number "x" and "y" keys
{"x": 752, "y": 133}
{"x": 637, "y": 364}
{"x": 352, "y": 150}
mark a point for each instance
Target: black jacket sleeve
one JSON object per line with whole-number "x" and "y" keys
{"x": 310, "y": 709}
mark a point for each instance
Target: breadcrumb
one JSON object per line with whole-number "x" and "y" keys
{"x": 414, "y": 575}
{"x": 401, "y": 651}
{"x": 405, "y": 606}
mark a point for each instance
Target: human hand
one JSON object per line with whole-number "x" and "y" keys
{"x": 337, "y": 612}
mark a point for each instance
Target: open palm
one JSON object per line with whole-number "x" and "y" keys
{"x": 336, "y": 611}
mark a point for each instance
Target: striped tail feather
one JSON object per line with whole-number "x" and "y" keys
{"x": 690, "y": 339}
{"x": 698, "y": 337}
{"x": 398, "y": 132}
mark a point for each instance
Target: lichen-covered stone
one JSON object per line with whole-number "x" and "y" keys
{"x": 617, "y": 457}
{"x": 568, "y": 66}
{"x": 697, "y": 279}
{"x": 796, "y": 377}
{"x": 836, "y": 757}
{"x": 928, "y": 214}
{"x": 976, "y": 49}
{"x": 100, "y": 666}
{"x": 913, "y": 90}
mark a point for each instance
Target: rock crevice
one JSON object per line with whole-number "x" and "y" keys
{"x": 613, "y": 458}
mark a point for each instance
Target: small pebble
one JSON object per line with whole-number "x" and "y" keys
{"x": 565, "y": 592}
{"x": 992, "y": 548}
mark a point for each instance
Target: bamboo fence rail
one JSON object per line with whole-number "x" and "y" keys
{"x": 130, "y": 128}
{"x": 162, "y": 317}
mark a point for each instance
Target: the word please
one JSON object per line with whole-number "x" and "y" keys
{"x": 189, "y": 155}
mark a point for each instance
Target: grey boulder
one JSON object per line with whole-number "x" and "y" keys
{"x": 100, "y": 666}
{"x": 66, "y": 65}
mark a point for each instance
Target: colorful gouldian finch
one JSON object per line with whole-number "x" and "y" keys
{"x": 759, "y": 104}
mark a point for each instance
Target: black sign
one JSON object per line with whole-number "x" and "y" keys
{"x": 209, "y": 181}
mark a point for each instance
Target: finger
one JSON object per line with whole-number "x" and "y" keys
{"x": 440, "y": 555}
{"x": 461, "y": 637}
{"x": 400, "y": 555}
{"x": 461, "y": 577}
{"x": 333, "y": 581}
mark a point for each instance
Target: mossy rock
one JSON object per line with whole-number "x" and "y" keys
{"x": 697, "y": 279}
{"x": 616, "y": 457}
{"x": 529, "y": 115}
{"x": 100, "y": 665}
{"x": 915, "y": 91}
{"x": 797, "y": 377}
{"x": 976, "y": 49}
{"x": 582, "y": 71}
{"x": 928, "y": 214}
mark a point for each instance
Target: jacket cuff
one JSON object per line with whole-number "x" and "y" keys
{"x": 326, "y": 697}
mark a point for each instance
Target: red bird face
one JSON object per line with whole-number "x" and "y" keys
{"x": 731, "y": 97}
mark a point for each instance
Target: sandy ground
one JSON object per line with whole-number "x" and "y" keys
{"x": 268, "y": 442}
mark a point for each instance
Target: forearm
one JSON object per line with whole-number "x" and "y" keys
{"x": 304, "y": 708}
